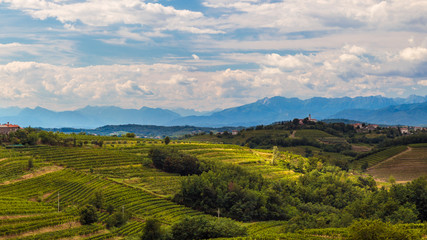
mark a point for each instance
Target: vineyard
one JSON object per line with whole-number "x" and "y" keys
{"x": 380, "y": 156}
{"x": 42, "y": 188}
{"x": 315, "y": 134}
{"x": 404, "y": 167}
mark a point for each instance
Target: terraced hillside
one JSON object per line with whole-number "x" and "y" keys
{"x": 47, "y": 185}
{"x": 89, "y": 170}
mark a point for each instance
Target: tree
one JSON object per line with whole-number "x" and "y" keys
{"x": 30, "y": 164}
{"x": 152, "y": 230}
{"x": 276, "y": 155}
{"x": 130, "y": 135}
{"x": 88, "y": 215}
{"x": 167, "y": 140}
{"x": 118, "y": 219}
{"x": 98, "y": 200}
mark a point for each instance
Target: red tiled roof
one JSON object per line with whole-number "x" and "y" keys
{"x": 10, "y": 125}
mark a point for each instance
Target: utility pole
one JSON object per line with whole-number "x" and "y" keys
{"x": 58, "y": 201}
{"x": 123, "y": 212}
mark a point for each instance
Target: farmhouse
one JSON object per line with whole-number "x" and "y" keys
{"x": 404, "y": 130}
{"x": 8, "y": 128}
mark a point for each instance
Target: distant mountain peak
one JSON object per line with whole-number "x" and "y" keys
{"x": 263, "y": 111}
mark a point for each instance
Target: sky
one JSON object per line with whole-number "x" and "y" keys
{"x": 207, "y": 54}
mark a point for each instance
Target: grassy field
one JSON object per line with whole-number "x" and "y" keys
{"x": 404, "y": 167}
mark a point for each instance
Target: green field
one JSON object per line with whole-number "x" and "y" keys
{"x": 312, "y": 133}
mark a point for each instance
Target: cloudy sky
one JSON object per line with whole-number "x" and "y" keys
{"x": 207, "y": 54}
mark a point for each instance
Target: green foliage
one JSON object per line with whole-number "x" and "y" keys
{"x": 238, "y": 194}
{"x": 202, "y": 227}
{"x": 30, "y": 164}
{"x": 88, "y": 215}
{"x": 130, "y": 135}
{"x": 118, "y": 219}
{"x": 167, "y": 140}
{"x": 98, "y": 200}
{"x": 170, "y": 160}
{"x": 276, "y": 155}
{"x": 378, "y": 230}
{"x": 153, "y": 230}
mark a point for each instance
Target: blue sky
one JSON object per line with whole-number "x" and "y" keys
{"x": 207, "y": 54}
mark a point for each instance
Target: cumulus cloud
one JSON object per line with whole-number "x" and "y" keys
{"x": 290, "y": 48}
{"x": 414, "y": 54}
{"x": 286, "y": 62}
{"x": 102, "y": 13}
{"x": 332, "y": 73}
{"x": 308, "y": 15}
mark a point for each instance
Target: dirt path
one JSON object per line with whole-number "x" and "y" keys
{"x": 389, "y": 159}
{"x": 37, "y": 173}
{"x": 2, "y": 159}
{"x": 293, "y": 134}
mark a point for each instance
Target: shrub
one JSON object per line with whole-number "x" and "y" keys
{"x": 203, "y": 227}
{"x": 378, "y": 230}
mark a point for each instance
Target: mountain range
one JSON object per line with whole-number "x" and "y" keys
{"x": 373, "y": 109}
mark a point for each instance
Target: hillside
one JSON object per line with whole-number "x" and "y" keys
{"x": 264, "y": 191}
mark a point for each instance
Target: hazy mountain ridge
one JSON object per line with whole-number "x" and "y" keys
{"x": 373, "y": 109}
{"x": 144, "y": 130}
{"x": 404, "y": 114}
{"x": 268, "y": 110}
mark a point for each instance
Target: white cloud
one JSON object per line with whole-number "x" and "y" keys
{"x": 102, "y": 13}
{"x": 331, "y": 73}
{"x": 297, "y": 15}
{"x": 195, "y": 57}
{"x": 414, "y": 54}
{"x": 286, "y": 62}
{"x": 130, "y": 88}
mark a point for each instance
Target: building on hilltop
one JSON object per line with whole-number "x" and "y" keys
{"x": 308, "y": 119}
{"x": 8, "y": 128}
{"x": 311, "y": 119}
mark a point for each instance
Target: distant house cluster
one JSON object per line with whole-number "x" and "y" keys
{"x": 409, "y": 130}
{"x": 364, "y": 127}
{"x": 8, "y": 128}
{"x": 361, "y": 127}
